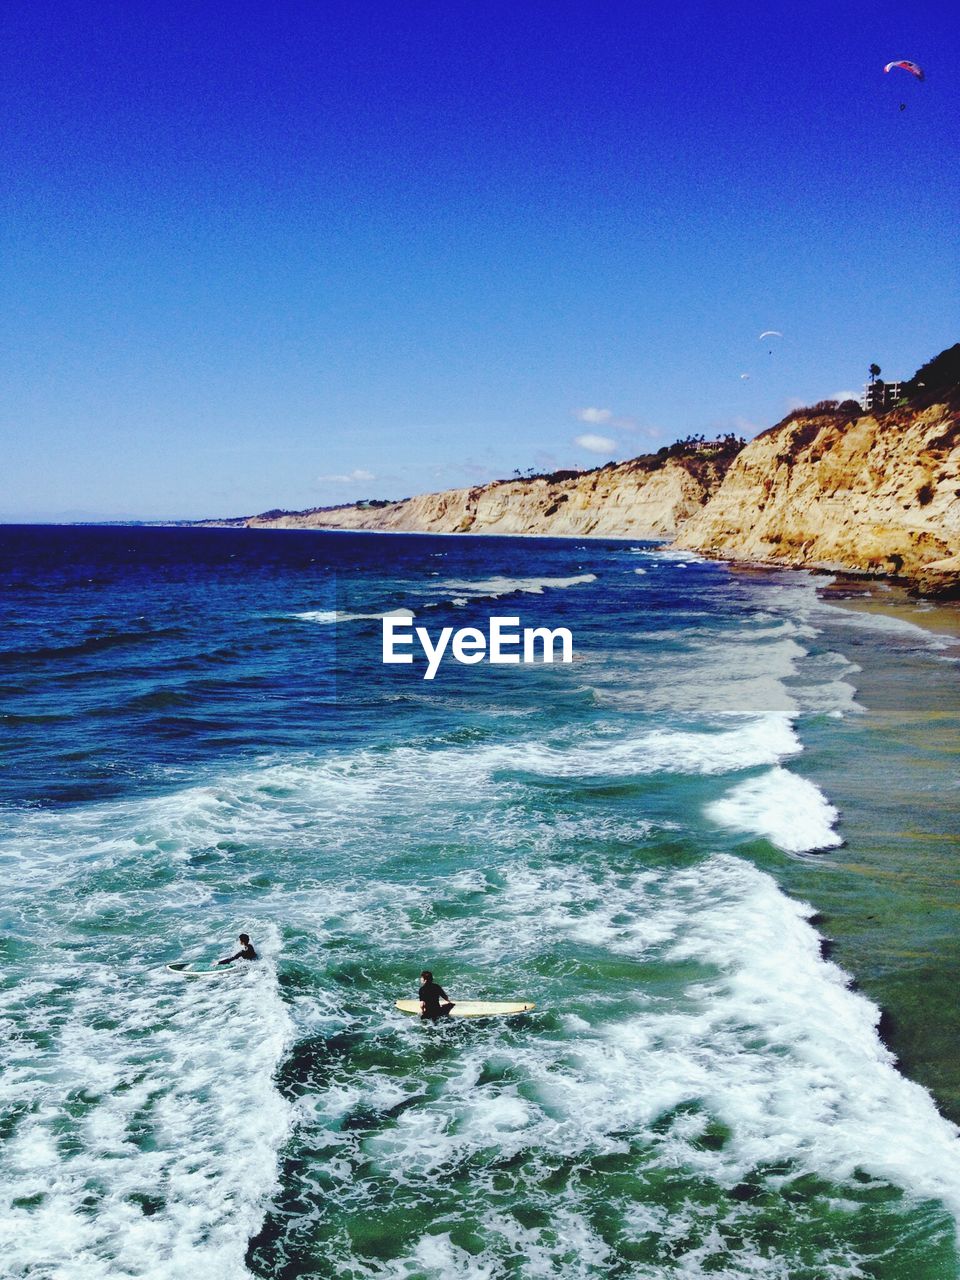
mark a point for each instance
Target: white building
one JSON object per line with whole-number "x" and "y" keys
{"x": 880, "y": 395}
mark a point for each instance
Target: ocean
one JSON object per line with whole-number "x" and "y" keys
{"x": 718, "y": 850}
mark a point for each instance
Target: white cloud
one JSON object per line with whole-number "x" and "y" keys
{"x": 595, "y": 444}
{"x": 846, "y": 395}
{"x": 358, "y": 476}
{"x": 651, "y": 432}
{"x": 546, "y": 461}
{"x": 595, "y": 416}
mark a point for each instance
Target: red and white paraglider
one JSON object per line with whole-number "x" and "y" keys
{"x": 904, "y": 64}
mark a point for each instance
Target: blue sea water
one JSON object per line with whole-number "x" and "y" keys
{"x": 199, "y": 737}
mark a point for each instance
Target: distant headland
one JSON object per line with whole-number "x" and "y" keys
{"x": 869, "y": 487}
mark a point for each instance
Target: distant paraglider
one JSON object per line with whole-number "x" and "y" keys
{"x": 905, "y": 65}
{"x": 770, "y": 336}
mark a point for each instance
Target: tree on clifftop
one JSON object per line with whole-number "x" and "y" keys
{"x": 874, "y": 373}
{"x": 942, "y": 371}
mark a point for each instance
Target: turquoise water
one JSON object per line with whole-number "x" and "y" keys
{"x": 199, "y": 737}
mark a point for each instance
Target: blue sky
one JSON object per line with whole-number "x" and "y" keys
{"x": 295, "y": 254}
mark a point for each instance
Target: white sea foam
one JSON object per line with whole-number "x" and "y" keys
{"x": 770, "y": 1044}
{"x": 801, "y": 600}
{"x": 764, "y": 665}
{"x": 889, "y": 624}
{"x": 764, "y": 740}
{"x": 332, "y": 616}
{"x": 495, "y": 588}
{"x": 787, "y": 810}
{"x": 825, "y": 686}
{"x": 151, "y": 1141}
{"x": 342, "y": 798}
{"x": 464, "y": 591}
{"x": 317, "y": 615}
{"x": 767, "y": 1040}
{"x": 836, "y": 1095}
{"x": 679, "y": 559}
{"x": 742, "y": 673}
{"x": 300, "y": 796}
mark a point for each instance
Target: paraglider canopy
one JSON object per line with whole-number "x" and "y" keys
{"x": 770, "y": 333}
{"x": 905, "y": 65}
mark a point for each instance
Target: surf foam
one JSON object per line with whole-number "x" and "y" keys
{"x": 787, "y": 810}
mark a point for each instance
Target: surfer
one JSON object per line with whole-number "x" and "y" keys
{"x": 434, "y": 1001}
{"x": 246, "y": 951}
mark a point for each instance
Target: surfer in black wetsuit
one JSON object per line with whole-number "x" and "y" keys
{"x": 246, "y": 951}
{"x": 434, "y": 1001}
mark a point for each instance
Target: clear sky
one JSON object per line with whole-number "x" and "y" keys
{"x": 288, "y": 254}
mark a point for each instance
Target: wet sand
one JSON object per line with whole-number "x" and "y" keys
{"x": 890, "y": 898}
{"x": 893, "y": 600}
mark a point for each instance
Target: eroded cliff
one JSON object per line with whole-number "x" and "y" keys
{"x": 651, "y": 496}
{"x": 878, "y": 495}
{"x": 875, "y": 494}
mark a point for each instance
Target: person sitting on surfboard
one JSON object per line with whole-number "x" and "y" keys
{"x": 246, "y": 951}
{"x": 434, "y": 1001}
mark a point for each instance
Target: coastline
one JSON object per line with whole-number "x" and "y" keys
{"x": 852, "y": 583}
{"x": 647, "y": 536}
{"x": 888, "y": 596}
{"x": 849, "y": 574}
{"x": 889, "y": 898}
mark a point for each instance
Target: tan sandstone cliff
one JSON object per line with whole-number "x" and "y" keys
{"x": 649, "y": 496}
{"x": 878, "y": 495}
{"x": 826, "y": 489}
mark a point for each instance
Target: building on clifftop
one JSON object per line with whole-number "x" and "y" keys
{"x": 879, "y": 395}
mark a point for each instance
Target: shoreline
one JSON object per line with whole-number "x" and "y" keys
{"x": 852, "y": 583}
{"x": 890, "y": 598}
{"x": 846, "y": 573}
{"x": 888, "y": 898}
{"x": 390, "y": 533}
{"x": 436, "y": 533}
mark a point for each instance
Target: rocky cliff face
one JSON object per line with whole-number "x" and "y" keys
{"x": 645, "y": 497}
{"x": 878, "y": 495}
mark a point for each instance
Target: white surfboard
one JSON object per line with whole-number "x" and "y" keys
{"x": 475, "y": 1008}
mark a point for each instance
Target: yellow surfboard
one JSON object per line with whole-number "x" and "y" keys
{"x": 475, "y": 1008}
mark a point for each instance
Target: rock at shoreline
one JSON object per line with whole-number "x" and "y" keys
{"x": 940, "y": 578}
